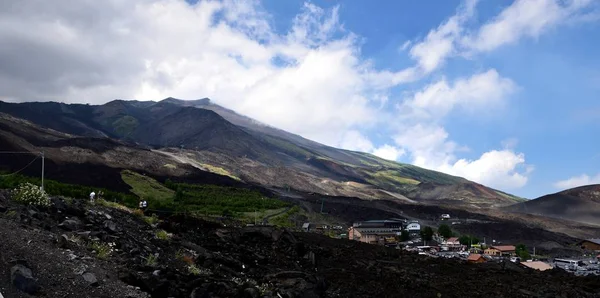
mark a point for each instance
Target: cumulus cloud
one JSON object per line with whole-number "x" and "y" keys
{"x": 523, "y": 18}
{"x": 389, "y": 152}
{"x": 576, "y": 181}
{"x": 428, "y": 142}
{"x": 309, "y": 80}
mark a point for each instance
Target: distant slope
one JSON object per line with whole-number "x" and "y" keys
{"x": 581, "y": 204}
{"x": 208, "y": 136}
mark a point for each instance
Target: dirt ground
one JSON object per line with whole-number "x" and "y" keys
{"x": 204, "y": 259}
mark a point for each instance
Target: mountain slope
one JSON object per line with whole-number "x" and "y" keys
{"x": 581, "y": 204}
{"x": 208, "y": 136}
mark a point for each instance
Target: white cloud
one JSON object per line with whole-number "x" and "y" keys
{"x": 503, "y": 169}
{"x": 577, "y": 181}
{"x": 440, "y": 42}
{"x": 310, "y": 80}
{"x": 484, "y": 90}
{"x": 355, "y": 141}
{"x": 389, "y": 152}
{"x": 524, "y": 18}
{"x": 428, "y": 142}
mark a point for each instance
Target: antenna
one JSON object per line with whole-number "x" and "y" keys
{"x": 43, "y": 157}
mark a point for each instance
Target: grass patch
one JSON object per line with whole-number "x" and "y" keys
{"x": 220, "y": 200}
{"x": 102, "y": 250}
{"x": 55, "y": 188}
{"x": 151, "y": 260}
{"x": 113, "y": 205}
{"x": 125, "y": 125}
{"x": 392, "y": 176}
{"x": 284, "y": 219}
{"x": 162, "y": 235}
{"x": 219, "y": 171}
{"x": 146, "y": 187}
{"x": 151, "y": 220}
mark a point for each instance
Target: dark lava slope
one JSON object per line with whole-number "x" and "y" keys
{"x": 203, "y": 259}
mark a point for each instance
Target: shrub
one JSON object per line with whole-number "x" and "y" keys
{"x": 30, "y": 194}
{"x": 102, "y": 250}
{"x": 152, "y": 260}
{"x": 162, "y": 235}
{"x": 151, "y": 219}
{"x": 445, "y": 231}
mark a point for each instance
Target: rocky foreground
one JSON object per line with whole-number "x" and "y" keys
{"x": 74, "y": 249}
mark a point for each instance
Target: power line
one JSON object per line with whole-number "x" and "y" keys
{"x": 14, "y": 173}
{"x": 41, "y": 154}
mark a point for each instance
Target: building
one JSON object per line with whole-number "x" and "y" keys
{"x": 375, "y": 231}
{"x": 306, "y": 227}
{"x": 475, "y": 258}
{"x": 386, "y": 223}
{"x": 537, "y": 265}
{"x": 501, "y": 250}
{"x": 373, "y": 235}
{"x": 413, "y": 227}
{"x": 590, "y": 244}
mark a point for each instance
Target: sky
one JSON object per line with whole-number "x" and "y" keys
{"x": 504, "y": 93}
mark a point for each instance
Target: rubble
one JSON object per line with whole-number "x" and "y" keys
{"x": 117, "y": 255}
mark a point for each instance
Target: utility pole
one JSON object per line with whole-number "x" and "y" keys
{"x": 42, "y": 170}
{"x": 322, "y": 201}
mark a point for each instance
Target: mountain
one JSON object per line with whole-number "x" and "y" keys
{"x": 209, "y": 137}
{"x": 580, "y": 204}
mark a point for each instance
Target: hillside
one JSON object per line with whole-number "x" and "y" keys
{"x": 208, "y": 137}
{"x": 107, "y": 250}
{"x": 581, "y": 204}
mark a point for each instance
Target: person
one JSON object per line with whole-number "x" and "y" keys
{"x": 92, "y": 196}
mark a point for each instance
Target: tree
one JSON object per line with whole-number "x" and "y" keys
{"x": 468, "y": 240}
{"x": 404, "y": 236}
{"x": 178, "y": 195}
{"x": 521, "y": 251}
{"x": 464, "y": 240}
{"x": 445, "y": 231}
{"x": 427, "y": 233}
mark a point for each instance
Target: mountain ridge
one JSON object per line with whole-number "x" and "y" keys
{"x": 207, "y": 134}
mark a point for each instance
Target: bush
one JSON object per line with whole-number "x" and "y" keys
{"x": 445, "y": 231}
{"x": 30, "y": 194}
{"x": 162, "y": 235}
{"x": 427, "y": 233}
{"x": 404, "y": 236}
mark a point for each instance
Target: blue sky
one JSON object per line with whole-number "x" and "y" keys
{"x": 504, "y": 93}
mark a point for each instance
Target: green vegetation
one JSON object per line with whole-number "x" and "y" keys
{"x": 56, "y": 188}
{"x": 445, "y": 231}
{"x": 151, "y": 219}
{"x": 287, "y": 147}
{"x": 125, "y": 125}
{"x": 391, "y": 177}
{"x": 151, "y": 260}
{"x": 404, "y": 236}
{"x": 162, "y": 235}
{"x": 427, "y": 233}
{"x": 30, "y": 194}
{"x": 102, "y": 250}
{"x": 521, "y": 251}
{"x": 219, "y": 200}
{"x": 146, "y": 187}
{"x": 219, "y": 171}
{"x": 284, "y": 219}
{"x": 468, "y": 240}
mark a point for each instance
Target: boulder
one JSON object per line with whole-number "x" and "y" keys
{"x": 90, "y": 278}
{"x": 22, "y": 278}
{"x": 63, "y": 241}
{"x": 70, "y": 225}
{"x": 111, "y": 226}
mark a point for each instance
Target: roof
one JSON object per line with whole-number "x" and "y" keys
{"x": 504, "y": 247}
{"x": 474, "y": 257}
{"x": 593, "y": 240}
{"x": 452, "y": 239}
{"x": 306, "y": 225}
{"x": 377, "y": 230}
{"x": 537, "y": 265}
